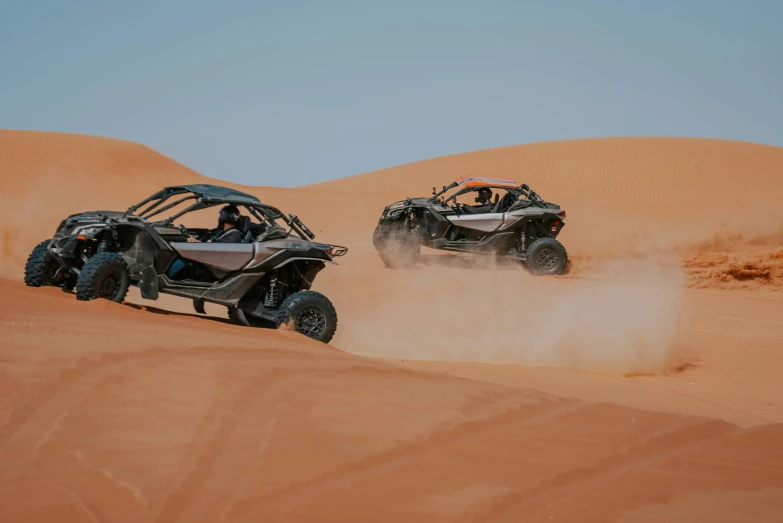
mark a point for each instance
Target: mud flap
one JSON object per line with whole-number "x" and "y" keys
{"x": 198, "y": 304}
{"x": 148, "y": 277}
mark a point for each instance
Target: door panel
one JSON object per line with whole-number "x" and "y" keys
{"x": 480, "y": 222}
{"x": 226, "y": 256}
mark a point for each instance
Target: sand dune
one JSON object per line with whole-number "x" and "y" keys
{"x": 46, "y": 176}
{"x": 170, "y": 423}
{"x": 624, "y": 196}
{"x": 620, "y": 193}
{"x": 643, "y": 386}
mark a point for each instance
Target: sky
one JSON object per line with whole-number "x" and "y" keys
{"x": 294, "y": 92}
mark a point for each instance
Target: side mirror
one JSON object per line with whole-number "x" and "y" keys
{"x": 434, "y": 191}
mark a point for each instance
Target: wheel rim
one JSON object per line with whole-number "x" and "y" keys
{"x": 546, "y": 258}
{"x": 110, "y": 285}
{"x": 311, "y": 322}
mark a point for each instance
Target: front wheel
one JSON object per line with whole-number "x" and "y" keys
{"x": 106, "y": 276}
{"x": 309, "y": 313}
{"x": 40, "y": 266}
{"x": 397, "y": 248}
{"x": 546, "y": 256}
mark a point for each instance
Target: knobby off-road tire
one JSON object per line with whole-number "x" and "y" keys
{"x": 309, "y": 313}
{"x": 39, "y": 269}
{"x": 106, "y": 276}
{"x": 398, "y": 249}
{"x": 546, "y": 256}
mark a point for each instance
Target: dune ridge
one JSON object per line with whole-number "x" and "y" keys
{"x": 624, "y": 196}
{"x": 634, "y": 388}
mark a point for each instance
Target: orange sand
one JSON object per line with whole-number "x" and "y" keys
{"x": 643, "y": 386}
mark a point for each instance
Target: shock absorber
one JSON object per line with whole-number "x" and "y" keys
{"x": 521, "y": 243}
{"x": 273, "y": 294}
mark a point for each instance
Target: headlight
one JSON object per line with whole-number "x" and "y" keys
{"x": 88, "y": 231}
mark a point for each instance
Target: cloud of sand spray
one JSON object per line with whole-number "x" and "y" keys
{"x": 32, "y": 215}
{"x": 624, "y": 318}
{"x": 17, "y": 237}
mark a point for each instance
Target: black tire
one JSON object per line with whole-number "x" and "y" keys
{"x": 546, "y": 256}
{"x": 40, "y": 266}
{"x": 397, "y": 249}
{"x": 311, "y": 313}
{"x": 106, "y": 276}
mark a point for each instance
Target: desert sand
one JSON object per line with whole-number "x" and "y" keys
{"x": 645, "y": 385}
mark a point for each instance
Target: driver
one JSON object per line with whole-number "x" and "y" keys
{"x": 483, "y": 199}
{"x": 227, "y": 231}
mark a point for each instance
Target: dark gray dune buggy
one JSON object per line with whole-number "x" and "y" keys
{"x": 264, "y": 281}
{"x": 520, "y": 226}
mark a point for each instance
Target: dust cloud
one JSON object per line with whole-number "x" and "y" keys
{"x": 623, "y": 318}
{"x": 15, "y": 238}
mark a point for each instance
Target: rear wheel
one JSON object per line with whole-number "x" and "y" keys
{"x": 106, "y": 276}
{"x": 309, "y": 313}
{"x": 546, "y": 256}
{"x": 40, "y": 266}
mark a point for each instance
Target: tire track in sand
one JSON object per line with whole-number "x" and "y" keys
{"x": 212, "y": 479}
{"x": 32, "y": 424}
{"x": 654, "y": 448}
{"x": 286, "y": 499}
{"x": 54, "y": 397}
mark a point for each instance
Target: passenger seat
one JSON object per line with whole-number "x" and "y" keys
{"x": 243, "y": 225}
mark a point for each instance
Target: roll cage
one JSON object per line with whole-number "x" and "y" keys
{"x": 205, "y": 196}
{"x": 473, "y": 184}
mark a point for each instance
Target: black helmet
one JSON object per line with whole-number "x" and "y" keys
{"x": 228, "y": 214}
{"x": 484, "y": 195}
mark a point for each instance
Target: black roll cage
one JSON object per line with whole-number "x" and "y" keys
{"x": 261, "y": 211}
{"x": 522, "y": 190}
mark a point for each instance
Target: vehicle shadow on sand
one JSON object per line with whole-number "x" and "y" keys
{"x": 467, "y": 262}
{"x": 457, "y": 261}
{"x": 166, "y": 312}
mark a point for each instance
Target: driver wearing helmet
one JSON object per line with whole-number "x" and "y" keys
{"x": 227, "y": 231}
{"x": 483, "y": 199}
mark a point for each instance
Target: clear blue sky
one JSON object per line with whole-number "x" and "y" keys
{"x": 293, "y": 92}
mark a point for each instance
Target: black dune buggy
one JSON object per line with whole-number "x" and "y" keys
{"x": 264, "y": 280}
{"x": 520, "y": 225}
